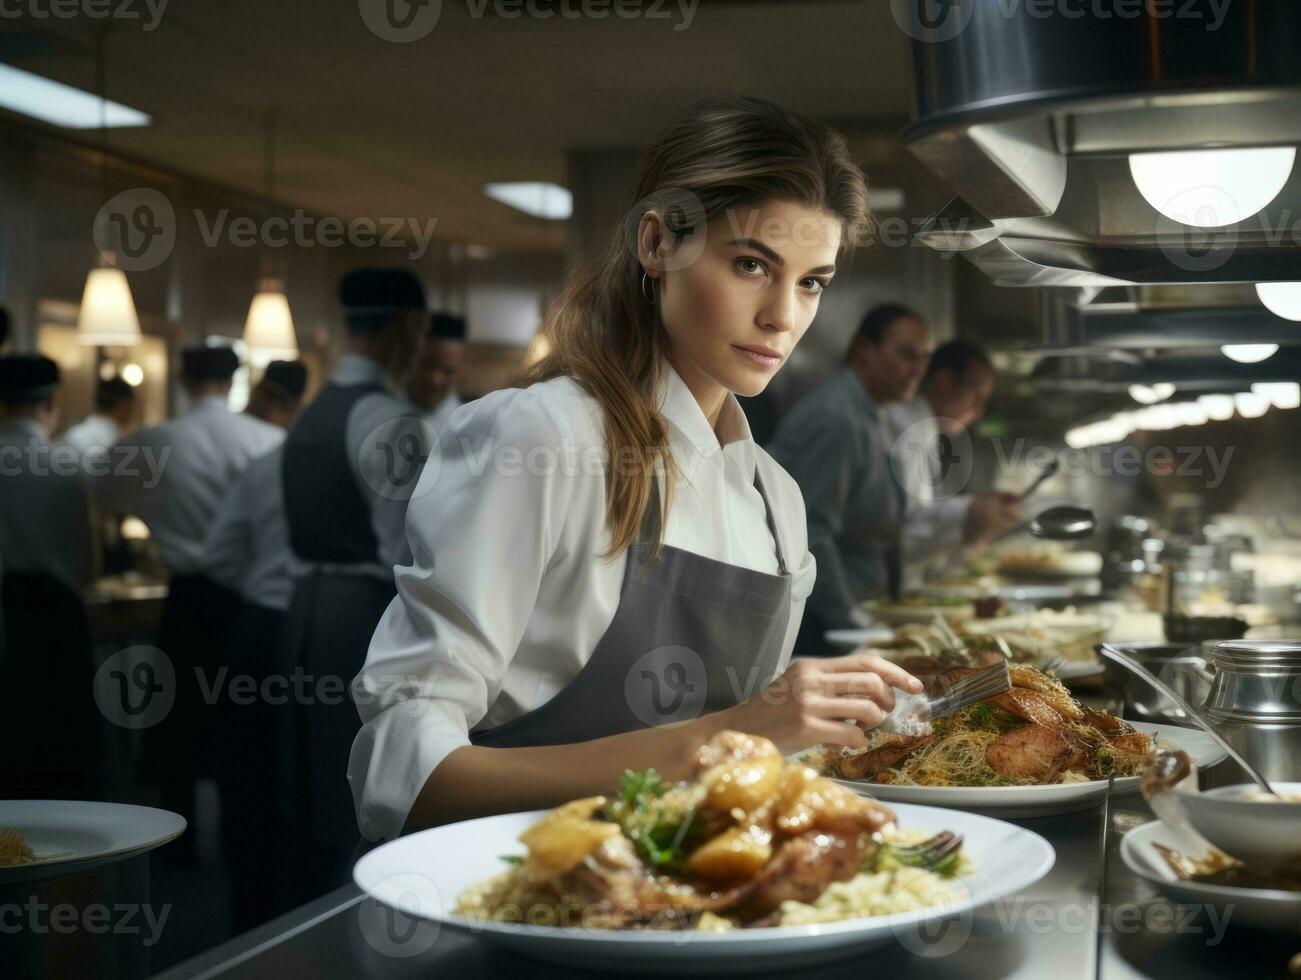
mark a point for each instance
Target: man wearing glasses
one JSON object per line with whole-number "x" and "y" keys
{"x": 836, "y": 445}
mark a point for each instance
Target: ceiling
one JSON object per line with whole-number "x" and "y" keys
{"x": 372, "y": 128}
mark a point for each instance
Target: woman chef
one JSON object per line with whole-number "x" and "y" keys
{"x": 606, "y": 568}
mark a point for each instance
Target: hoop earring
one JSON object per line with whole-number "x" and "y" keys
{"x": 647, "y": 290}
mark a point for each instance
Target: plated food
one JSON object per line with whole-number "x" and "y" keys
{"x": 46, "y": 838}
{"x": 750, "y": 841}
{"x": 14, "y": 848}
{"x": 1034, "y": 734}
{"x": 921, "y": 608}
{"x": 1047, "y": 559}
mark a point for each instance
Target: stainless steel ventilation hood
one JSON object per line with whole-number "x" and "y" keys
{"x": 1029, "y": 109}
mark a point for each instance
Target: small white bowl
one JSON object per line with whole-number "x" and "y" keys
{"x": 1258, "y": 831}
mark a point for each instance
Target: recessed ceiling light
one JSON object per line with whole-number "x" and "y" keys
{"x": 535, "y": 197}
{"x": 62, "y": 105}
{"x": 1249, "y": 353}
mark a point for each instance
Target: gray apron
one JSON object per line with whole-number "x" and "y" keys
{"x": 691, "y": 635}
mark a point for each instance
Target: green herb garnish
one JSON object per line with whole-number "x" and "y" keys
{"x": 512, "y": 858}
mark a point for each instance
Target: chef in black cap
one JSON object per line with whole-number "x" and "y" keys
{"x": 278, "y": 396}
{"x": 350, "y": 464}
{"x": 47, "y": 549}
{"x": 431, "y": 385}
{"x": 247, "y": 551}
{"x": 180, "y": 473}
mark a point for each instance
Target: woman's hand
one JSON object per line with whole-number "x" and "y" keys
{"x": 815, "y": 701}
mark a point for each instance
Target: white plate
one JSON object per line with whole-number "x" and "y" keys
{"x": 83, "y": 834}
{"x": 1074, "y": 564}
{"x": 853, "y": 639}
{"x": 1073, "y": 670}
{"x": 1259, "y": 907}
{"x": 422, "y": 874}
{"x": 1033, "y": 593}
{"x": 1038, "y": 801}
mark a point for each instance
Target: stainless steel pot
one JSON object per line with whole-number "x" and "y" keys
{"x": 1254, "y": 701}
{"x": 1180, "y": 665}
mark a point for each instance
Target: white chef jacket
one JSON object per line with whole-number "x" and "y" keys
{"x": 932, "y": 527}
{"x": 507, "y": 597}
{"x": 92, "y": 437}
{"x": 443, "y": 410}
{"x": 248, "y": 545}
{"x": 46, "y": 522}
{"x": 205, "y": 449}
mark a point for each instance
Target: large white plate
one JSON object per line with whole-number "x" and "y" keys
{"x": 853, "y": 639}
{"x": 422, "y": 874}
{"x": 1259, "y": 907}
{"x": 1038, "y": 801}
{"x": 83, "y": 833}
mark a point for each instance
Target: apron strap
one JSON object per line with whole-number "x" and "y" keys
{"x": 651, "y": 522}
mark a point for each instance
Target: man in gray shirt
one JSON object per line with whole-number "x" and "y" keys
{"x": 836, "y": 445}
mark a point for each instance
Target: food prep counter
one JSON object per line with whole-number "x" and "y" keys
{"x": 1089, "y": 917}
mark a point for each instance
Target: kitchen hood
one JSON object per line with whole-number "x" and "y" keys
{"x": 1031, "y": 110}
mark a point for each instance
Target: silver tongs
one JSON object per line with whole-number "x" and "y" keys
{"x": 912, "y": 714}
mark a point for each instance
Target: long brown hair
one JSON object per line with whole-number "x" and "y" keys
{"x": 607, "y": 335}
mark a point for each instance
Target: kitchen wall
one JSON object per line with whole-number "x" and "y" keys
{"x": 52, "y": 188}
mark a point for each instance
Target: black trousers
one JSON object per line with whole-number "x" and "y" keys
{"x": 250, "y": 769}
{"x": 192, "y": 635}
{"x": 327, "y": 632}
{"x": 49, "y": 724}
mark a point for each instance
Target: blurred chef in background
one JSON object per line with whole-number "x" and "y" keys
{"x": 836, "y": 445}
{"x": 278, "y": 395}
{"x": 181, "y": 472}
{"x": 930, "y": 434}
{"x": 47, "y": 552}
{"x": 349, "y": 466}
{"x": 431, "y": 385}
{"x": 94, "y": 436}
{"x": 247, "y": 551}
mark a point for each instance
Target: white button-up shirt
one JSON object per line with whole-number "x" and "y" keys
{"x": 92, "y": 437}
{"x": 248, "y": 545}
{"x": 174, "y": 476}
{"x": 444, "y": 410}
{"x": 46, "y": 523}
{"x": 932, "y": 527}
{"x": 507, "y": 596}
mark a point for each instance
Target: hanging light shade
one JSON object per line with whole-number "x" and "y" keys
{"x": 269, "y": 330}
{"x": 107, "y": 317}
